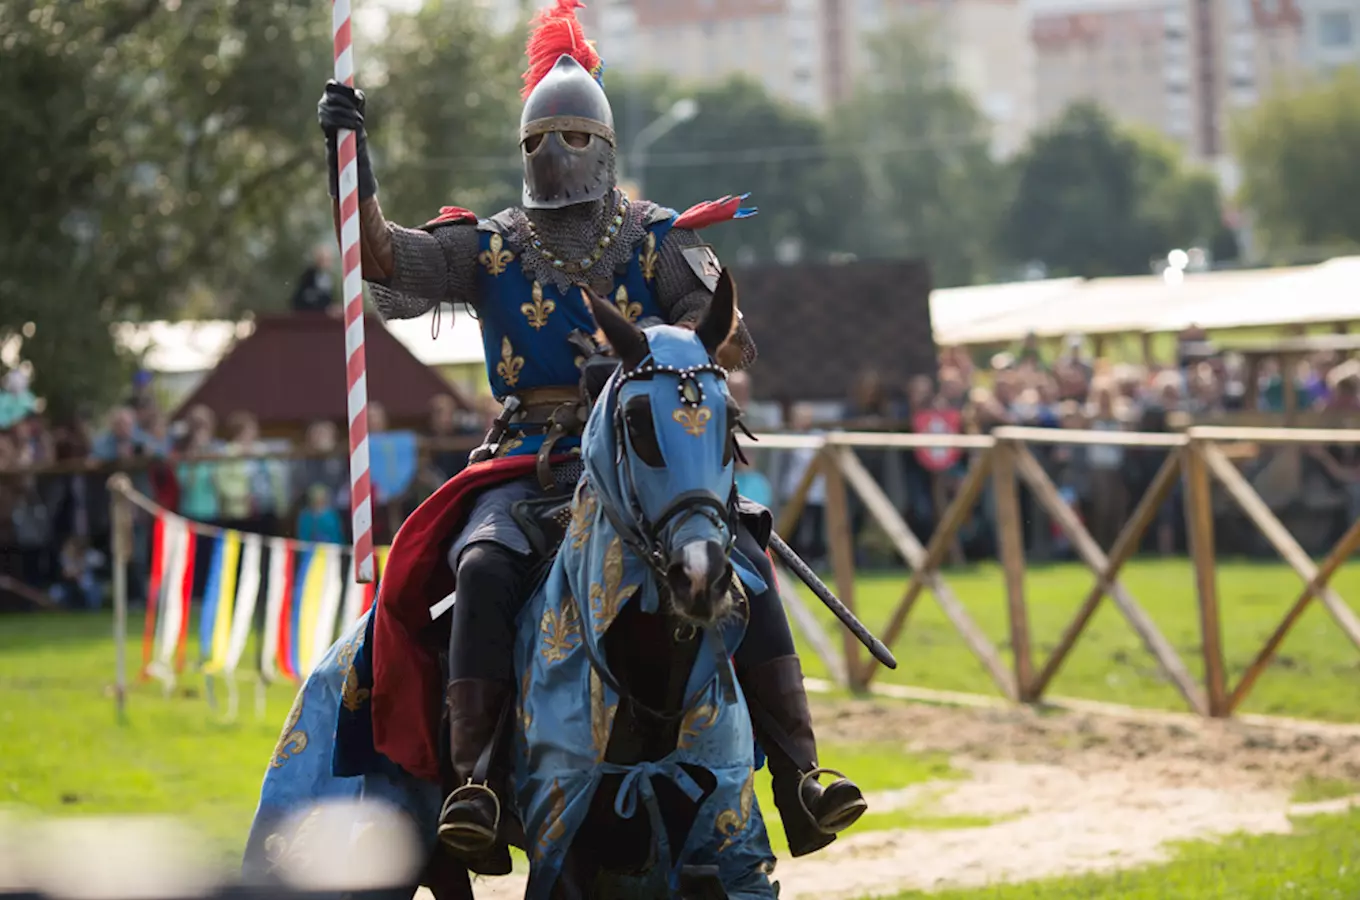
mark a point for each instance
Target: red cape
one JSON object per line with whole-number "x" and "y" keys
{"x": 408, "y": 687}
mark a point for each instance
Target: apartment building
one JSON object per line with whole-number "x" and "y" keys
{"x": 1182, "y": 67}
{"x": 810, "y": 52}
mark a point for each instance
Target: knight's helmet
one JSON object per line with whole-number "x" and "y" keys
{"x": 563, "y": 95}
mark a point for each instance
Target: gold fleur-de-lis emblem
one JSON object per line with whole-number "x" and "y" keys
{"x": 601, "y": 716}
{"x": 537, "y": 312}
{"x": 732, "y": 822}
{"x": 694, "y": 421}
{"x": 509, "y": 446}
{"x": 292, "y": 740}
{"x": 495, "y": 257}
{"x": 631, "y": 311}
{"x": 526, "y": 715}
{"x": 649, "y": 257}
{"x": 553, "y": 827}
{"x": 352, "y": 697}
{"x": 510, "y": 365}
{"x": 582, "y": 515}
{"x": 698, "y": 720}
{"x": 607, "y": 599}
{"x": 561, "y": 632}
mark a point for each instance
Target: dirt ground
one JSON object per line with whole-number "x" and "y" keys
{"x": 1068, "y": 792}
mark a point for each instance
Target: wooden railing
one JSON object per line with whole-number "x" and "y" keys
{"x": 1200, "y": 457}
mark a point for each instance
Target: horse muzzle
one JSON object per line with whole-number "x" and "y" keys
{"x": 700, "y": 581}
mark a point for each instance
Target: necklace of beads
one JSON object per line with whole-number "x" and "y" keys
{"x": 573, "y": 266}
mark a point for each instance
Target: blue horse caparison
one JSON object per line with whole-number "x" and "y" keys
{"x": 651, "y": 535}
{"x": 569, "y": 698}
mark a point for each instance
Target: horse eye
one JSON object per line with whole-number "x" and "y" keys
{"x": 637, "y": 418}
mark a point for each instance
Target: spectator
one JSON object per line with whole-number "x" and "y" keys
{"x": 1109, "y": 492}
{"x": 197, "y": 479}
{"x": 809, "y": 540}
{"x": 1158, "y": 417}
{"x": 252, "y": 488}
{"x": 444, "y": 461}
{"x": 326, "y": 466}
{"x": 753, "y": 485}
{"x": 319, "y": 521}
{"x": 123, "y": 441}
{"x": 315, "y": 290}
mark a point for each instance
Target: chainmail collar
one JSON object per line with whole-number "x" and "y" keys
{"x": 573, "y": 232}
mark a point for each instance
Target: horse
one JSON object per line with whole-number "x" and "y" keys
{"x": 630, "y": 750}
{"x": 633, "y": 753}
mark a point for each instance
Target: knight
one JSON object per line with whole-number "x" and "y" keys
{"x": 520, "y": 271}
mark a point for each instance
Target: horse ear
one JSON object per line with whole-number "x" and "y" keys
{"x": 721, "y": 318}
{"x": 628, "y": 341}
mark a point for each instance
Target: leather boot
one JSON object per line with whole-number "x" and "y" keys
{"x": 470, "y": 823}
{"x": 812, "y": 813}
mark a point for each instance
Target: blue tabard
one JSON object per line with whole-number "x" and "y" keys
{"x": 525, "y": 324}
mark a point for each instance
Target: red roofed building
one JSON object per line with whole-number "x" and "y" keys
{"x": 291, "y": 372}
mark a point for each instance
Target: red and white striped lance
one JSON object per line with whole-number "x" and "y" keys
{"x": 361, "y": 488}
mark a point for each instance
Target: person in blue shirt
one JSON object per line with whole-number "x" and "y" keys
{"x": 318, "y": 520}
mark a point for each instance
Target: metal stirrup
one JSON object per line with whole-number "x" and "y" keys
{"x": 812, "y": 775}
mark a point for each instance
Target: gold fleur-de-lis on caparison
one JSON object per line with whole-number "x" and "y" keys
{"x": 292, "y": 740}
{"x": 694, "y": 421}
{"x": 649, "y": 257}
{"x": 607, "y": 599}
{"x": 630, "y": 310}
{"x": 537, "y": 312}
{"x": 732, "y": 822}
{"x": 510, "y": 365}
{"x": 560, "y": 631}
{"x": 495, "y": 257}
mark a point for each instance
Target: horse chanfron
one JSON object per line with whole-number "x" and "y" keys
{"x": 674, "y": 448}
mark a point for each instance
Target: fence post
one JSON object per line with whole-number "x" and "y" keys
{"x": 1011, "y": 536}
{"x": 120, "y": 519}
{"x": 841, "y": 542}
{"x": 1199, "y": 521}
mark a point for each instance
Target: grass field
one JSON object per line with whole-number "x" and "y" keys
{"x": 65, "y": 753}
{"x": 1315, "y": 676}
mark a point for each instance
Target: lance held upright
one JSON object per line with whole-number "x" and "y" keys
{"x": 520, "y": 271}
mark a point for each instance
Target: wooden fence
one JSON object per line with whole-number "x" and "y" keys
{"x": 1199, "y": 457}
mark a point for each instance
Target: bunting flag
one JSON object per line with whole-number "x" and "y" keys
{"x": 276, "y": 605}
{"x": 355, "y": 602}
{"x": 247, "y": 595}
{"x": 176, "y": 585}
{"x": 219, "y": 602}
{"x": 153, "y": 590}
{"x": 291, "y": 632}
{"x": 382, "y": 564}
{"x": 326, "y": 569}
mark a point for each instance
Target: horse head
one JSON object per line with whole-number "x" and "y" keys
{"x": 672, "y": 421}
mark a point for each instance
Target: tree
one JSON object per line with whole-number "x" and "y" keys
{"x": 444, "y": 112}
{"x": 911, "y": 168}
{"x": 1299, "y": 179}
{"x": 1095, "y": 200}
{"x": 160, "y": 157}
{"x": 741, "y": 140}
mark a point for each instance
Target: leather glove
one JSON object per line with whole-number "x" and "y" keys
{"x": 342, "y": 107}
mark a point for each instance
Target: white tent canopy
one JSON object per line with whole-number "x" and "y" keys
{"x": 1240, "y": 298}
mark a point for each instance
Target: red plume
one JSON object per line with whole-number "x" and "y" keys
{"x": 553, "y": 32}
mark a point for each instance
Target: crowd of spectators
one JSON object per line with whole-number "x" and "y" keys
{"x": 54, "y": 526}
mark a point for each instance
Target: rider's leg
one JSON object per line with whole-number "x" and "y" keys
{"x": 492, "y": 586}
{"x": 772, "y": 680}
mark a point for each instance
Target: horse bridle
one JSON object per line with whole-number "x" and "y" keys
{"x": 645, "y": 538}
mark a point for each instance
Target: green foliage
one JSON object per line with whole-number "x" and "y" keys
{"x": 1299, "y": 179}
{"x": 1094, "y": 199}
{"x": 742, "y": 140}
{"x": 155, "y": 156}
{"x": 915, "y": 176}
{"x": 443, "y": 112}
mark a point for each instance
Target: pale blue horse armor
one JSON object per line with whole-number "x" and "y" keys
{"x": 567, "y": 697}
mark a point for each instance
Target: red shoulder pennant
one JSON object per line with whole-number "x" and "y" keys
{"x": 450, "y": 214}
{"x": 710, "y": 212}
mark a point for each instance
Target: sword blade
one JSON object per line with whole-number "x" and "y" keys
{"x": 796, "y": 565}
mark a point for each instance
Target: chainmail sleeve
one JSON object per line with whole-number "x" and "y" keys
{"x": 428, "y": 267}
{"x": 684, "y": 299}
